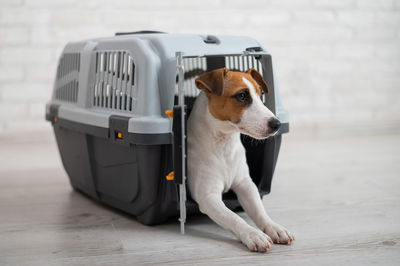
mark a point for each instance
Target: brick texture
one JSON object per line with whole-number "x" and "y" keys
{"x": 335, "y": 61}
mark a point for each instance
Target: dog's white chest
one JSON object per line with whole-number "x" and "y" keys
{"x": 213, "y": 157}
{"x": 232, "y": 162}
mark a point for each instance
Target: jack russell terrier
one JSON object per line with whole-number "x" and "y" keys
{"x": 229, "y": 104}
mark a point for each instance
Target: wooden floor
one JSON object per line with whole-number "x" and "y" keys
{"x": 339, "y": 196}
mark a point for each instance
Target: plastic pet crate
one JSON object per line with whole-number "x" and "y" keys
{"x": 108, "y": 111}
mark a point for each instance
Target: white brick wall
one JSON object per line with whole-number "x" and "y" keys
{"x": 336, "y": 61}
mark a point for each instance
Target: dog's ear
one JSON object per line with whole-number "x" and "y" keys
{"x": 259, "y": 79}
{"x": 212, "y": 82}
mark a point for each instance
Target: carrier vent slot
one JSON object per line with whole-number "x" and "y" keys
{"x": 195, "y": 66}
{"x": 68, "y": 92}
{"x": 243, "y": 63}
{"x": 114, "y": 80}
{"x": 67, "y": 78}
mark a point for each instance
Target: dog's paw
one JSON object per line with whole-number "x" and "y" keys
{"x": 278, "y": 233}
{"x": 255, "y": 240}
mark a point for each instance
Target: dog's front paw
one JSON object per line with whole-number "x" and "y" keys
{"x": 255, "y": 240}
{"x": 278, "y": 233}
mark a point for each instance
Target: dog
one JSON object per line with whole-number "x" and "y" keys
{"x": 230, "y": 104}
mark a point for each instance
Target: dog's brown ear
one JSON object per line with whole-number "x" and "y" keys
{"x": 212, "y": 82}
{"x": 259, "y": 79}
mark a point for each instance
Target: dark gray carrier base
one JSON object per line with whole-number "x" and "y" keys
{"x": 130, "y": 175}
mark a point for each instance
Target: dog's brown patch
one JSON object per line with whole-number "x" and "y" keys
{"x": 222, "y": 85}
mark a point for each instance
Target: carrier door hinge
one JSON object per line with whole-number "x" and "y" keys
{"x": 177, "y": 147}
{"x": 180, "y": 156}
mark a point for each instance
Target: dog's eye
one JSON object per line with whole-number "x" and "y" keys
{"x": 242, "y": 97}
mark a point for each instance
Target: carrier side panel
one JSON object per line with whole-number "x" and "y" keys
{"x": 75, "y": 157}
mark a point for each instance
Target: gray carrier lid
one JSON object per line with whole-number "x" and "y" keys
{"x": 134, "y": 75}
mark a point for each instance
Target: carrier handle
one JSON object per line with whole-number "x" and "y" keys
{"x": 138, "y": 32}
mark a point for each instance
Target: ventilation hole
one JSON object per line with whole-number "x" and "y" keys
{"x": 67, "y": 77}
{"x": 116, "y": 79}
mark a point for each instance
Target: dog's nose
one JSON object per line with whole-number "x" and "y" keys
{"x": 274, "y": 124}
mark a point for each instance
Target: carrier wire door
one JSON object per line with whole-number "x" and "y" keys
{"x": 179, "y": 129}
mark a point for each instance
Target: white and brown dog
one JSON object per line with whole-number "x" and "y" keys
{"x": 230, "y": 104}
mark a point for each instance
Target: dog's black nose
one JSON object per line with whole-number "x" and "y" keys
{"x": 274, "y": 124}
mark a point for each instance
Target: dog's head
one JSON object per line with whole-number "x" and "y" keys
{"x": 235, "y": 97}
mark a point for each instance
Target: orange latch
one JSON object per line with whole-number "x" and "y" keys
{"x": 170, "y": 176}
{"x": 120, "y": 135}
{"x": 170, "y": 113}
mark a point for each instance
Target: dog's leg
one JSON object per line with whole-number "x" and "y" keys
{"x": 212, "y": 205}
{"x": 250, "y": 200}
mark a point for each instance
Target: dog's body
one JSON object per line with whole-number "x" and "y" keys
{"x": 228, "y": 105}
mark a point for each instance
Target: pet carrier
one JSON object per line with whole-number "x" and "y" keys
{"x": 109, "y": 111}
